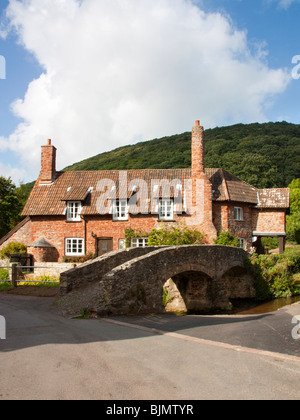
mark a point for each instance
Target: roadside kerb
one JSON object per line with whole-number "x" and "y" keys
{"x": 279, "y": 356}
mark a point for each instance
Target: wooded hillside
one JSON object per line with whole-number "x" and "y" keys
{"x": 264, "y": 155}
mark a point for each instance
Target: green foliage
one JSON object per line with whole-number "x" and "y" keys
{"x": 264, "y": 155}
{"x": 227, "y": 238}
{"x": 13, "y": 248}
{"x": 293, "y": 219}
{"x": 4, "y": 275}
{"x": 10, "y": 205}
{"x": 175, "y": 236}
{"x": 276, "y": 275}
{"x": 131, "y": 233}
{"x": 166, "y": 298}
{"x": 42, "y": 281}
{"x": 270, "y": 242}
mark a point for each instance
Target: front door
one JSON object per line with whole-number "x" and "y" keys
{"x": 104, "y": 245}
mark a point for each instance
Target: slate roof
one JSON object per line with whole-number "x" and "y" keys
{"x": 82, "y": 186}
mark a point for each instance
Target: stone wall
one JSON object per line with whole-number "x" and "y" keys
{"x": 92, "y": 271}
{"x": 50, "y": 269}
{"x": 206, "y": 277}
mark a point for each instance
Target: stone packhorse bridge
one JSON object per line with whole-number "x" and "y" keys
{"x": 202, "y": 278}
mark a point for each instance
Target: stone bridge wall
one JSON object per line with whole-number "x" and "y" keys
{"x": 92, "y": 271}
{"x": 207, "y": 276}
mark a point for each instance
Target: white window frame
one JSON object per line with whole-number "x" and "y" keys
{"x": 120, "y": 209}
{"x": 139, "y": 242}
{"x": 242, "y": 243}
{"x": 238, "y": 214}
{"x": 72, "y": 247}
{"x": 74, "y": 209}
{"x": 122, "y": 244}
{"x": 166, "y": 209}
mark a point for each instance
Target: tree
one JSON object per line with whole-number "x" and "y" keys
{"x": 294, "y": 195}
{"x": 10, "y": 205}
{"x": 293, "y": 220}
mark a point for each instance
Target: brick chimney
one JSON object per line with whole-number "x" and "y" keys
{"x": 48, "y": 164}
{"x": 198, "y": 167}
{"x": 201, "y": 187}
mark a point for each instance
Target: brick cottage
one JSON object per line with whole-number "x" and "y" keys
{"x": 76, "y": 213}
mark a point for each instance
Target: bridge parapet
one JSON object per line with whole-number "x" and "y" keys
{"x": 92, "y": 271}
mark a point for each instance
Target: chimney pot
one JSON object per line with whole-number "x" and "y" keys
{"x": 197, "y": 123}
{"x": 49, "y": 142}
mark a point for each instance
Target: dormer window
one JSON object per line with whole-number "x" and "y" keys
{"x": 74, "y": 209}
{"x": 120, "y": 209}
{"x": 166, "y": 209}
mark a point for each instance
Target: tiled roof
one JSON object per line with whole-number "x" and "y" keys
{"x": 41, "y": 243}
{"x": 82, "y": 186}
{"x": 274, "y": 197}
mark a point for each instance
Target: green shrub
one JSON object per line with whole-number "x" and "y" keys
{"x": 175, "y": 236}
{"x": 4, "y": 274}
{"x": 227, "y": 238}
{"x": 275, "y": 275}
{"x": 131, "y": 233}
{"x": 13, "y": 248}
{"x": 43, "y": 281}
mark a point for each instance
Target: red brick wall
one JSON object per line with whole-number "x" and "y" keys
{"x": 268, "y": 220}
{"x": 56, "y": 229}
{"x": 223, "y": 217}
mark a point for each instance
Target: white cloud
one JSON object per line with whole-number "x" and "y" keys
{"x": 125, "y": 70}
{"x": 284, "y": 4}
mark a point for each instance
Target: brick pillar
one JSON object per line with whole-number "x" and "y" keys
{"x": 48, "y": 164}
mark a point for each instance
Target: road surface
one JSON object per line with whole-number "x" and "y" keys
{"x": 47, "y": 356}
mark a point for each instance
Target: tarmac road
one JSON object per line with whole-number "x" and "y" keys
{"x": 47, "y": 356}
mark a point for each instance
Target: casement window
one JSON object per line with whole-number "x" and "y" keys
{"x": 122, "y": 244}
{"x": 242, "y": 243}
{"x": 74, "y": 209}
{"x": 166, "y": 209}
{"x": 139, "y": 242}
{"x": 238, "y": 213}
{"x": 120, "y": 209}
{"x": 74, "y": 247}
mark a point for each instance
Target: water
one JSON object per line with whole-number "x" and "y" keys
{"x": 244, "y": 308}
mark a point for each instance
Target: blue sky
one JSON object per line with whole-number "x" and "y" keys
{"x": 96, "y": 84}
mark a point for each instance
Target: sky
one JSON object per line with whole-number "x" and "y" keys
{"x": 94, "y": 75}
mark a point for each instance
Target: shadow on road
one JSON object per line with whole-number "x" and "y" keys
{"x": 32, "y": 321}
